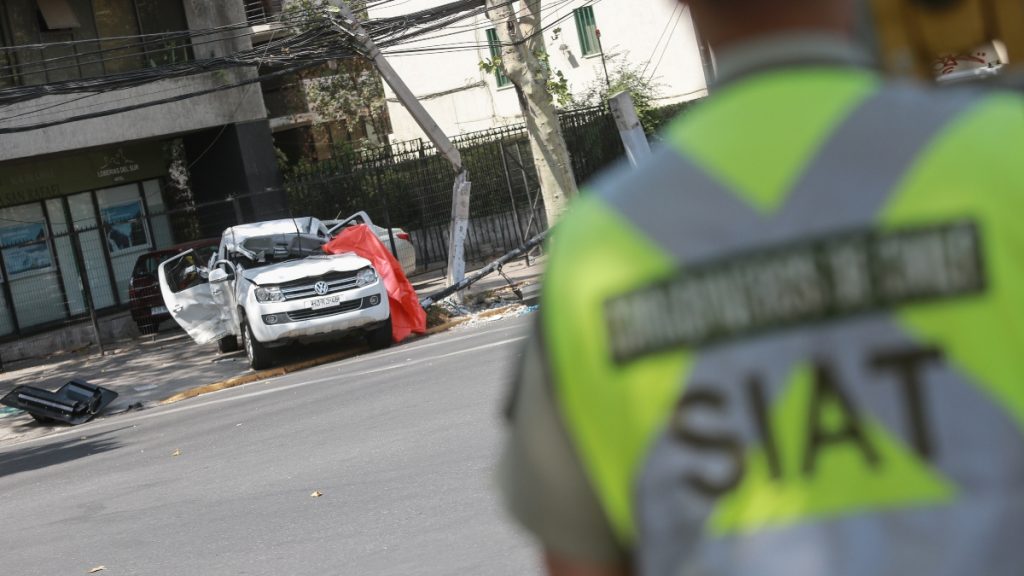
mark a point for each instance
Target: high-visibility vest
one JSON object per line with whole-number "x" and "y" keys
{"x": 793, "y": 342}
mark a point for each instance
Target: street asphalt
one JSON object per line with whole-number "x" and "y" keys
{"x": 401, "y": 445}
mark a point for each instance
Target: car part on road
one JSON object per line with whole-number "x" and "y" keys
{"x": 486, "y": 270}
{"x": 75, "y": 403}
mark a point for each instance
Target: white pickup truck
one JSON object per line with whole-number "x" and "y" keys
{"x": 270, "y": 284}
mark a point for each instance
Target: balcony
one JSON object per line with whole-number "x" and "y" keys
{"x": 259, "y": 12}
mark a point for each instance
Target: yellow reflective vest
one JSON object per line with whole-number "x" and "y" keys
{"x": 793, "y": 342}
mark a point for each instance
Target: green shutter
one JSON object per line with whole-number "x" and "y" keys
{"x": 495, "y": 45}
{"x": 586, "y": 28}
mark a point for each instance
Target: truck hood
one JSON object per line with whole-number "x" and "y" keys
{"x": 311, "y": 266}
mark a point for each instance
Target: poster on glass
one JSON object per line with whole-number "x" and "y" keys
{"x": 126, "y": 229}
{"x": 25, "y": 250}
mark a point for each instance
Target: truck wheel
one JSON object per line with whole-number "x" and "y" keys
{"x": 260, "y": 357}
{"x": 227, "y": 344}
{"x": 380, "y": 337}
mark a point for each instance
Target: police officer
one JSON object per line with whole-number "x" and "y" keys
{"x": 791, "y": 342}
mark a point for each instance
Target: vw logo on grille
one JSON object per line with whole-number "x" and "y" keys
{"x": 321, "y": 288}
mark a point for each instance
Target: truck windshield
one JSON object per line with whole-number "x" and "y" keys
{"x": 264, "y": 250}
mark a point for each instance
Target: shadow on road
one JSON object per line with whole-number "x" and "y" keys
{"x": 40, "y": 456}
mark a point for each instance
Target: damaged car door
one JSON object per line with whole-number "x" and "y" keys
{"x": 195, "y": 296}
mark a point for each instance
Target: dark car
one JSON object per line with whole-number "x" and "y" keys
{"x": 147, "y": 304}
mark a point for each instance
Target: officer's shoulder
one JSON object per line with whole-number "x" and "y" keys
{"x": 625, "y": 183}
{"x": 1000, "y": 108}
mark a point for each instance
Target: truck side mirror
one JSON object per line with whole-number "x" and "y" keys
{"x": 218, "y": 275}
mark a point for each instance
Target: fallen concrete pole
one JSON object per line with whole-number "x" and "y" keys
{"x": 495, "y": 266}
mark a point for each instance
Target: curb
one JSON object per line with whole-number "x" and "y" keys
{"x": 261, "y": 375}
{"x": 289, "y": 369}
{"x": 299, "y": 366}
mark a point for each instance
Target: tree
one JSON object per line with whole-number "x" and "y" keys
{"x": 347, "y": 90}
{"x": 625, "y": 76}
{"x": 523, "y": 57}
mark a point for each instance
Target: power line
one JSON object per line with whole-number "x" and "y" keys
{"x": 664, "y": 50}
{"x": 316, "y": 45}
{"x": 660, "y": 38}
{"x": 283, "y": 72}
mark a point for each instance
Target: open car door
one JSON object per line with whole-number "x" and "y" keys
{"x": 186, "y": 290}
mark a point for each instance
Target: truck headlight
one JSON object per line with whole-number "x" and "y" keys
{"x": 365, "y": 277}
{"x": 269, "y": 295}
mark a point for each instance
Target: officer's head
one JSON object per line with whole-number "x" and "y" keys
{"x": 725, "y": 22}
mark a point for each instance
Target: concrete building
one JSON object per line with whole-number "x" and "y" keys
{"x": 81, "y": 200}
{"x": 443, "y": 68}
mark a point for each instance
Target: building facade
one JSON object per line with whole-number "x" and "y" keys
{"x": 79, "y": 201}
{"x": 583, "y": 37}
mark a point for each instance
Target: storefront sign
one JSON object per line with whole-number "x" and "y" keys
{"x": 41, "y": 179}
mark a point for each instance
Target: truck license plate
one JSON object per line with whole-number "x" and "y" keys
{"x": 158, "y": 310}
{"x": 325, "y": 302}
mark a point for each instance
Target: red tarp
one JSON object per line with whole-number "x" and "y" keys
{"x": 407, "y": 316}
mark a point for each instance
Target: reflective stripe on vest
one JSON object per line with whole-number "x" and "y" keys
{"x": 772, "y": 508}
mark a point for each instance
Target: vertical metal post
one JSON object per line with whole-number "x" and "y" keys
{"x": 387, "y": 212}
{"x": 9, "y": 295}
{"x": 512, "y": 199}
{"x": 604, "y": 63}
{"x": 108, "y": 260}
{"x": 83, "y": 275}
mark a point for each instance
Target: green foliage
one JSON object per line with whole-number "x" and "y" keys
{"x": 624, "y": 76}
{"x": 491, "y": 65}
{"x": 557, "y": 83}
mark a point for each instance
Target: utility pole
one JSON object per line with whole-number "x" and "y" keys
{"x": 632, "y": 132}
{"x": 522, "y": 41}
{"x": 461, "y": 191}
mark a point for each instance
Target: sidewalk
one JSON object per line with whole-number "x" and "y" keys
{"x": 149, "y": 369}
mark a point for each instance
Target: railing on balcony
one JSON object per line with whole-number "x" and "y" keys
{"x": 261, "y": 11}
{"x": 139, "y": 34}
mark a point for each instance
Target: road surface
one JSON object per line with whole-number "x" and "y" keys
{"x": 402, "y": 445}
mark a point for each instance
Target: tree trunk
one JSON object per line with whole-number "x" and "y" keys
{"x": 522, "y": 41}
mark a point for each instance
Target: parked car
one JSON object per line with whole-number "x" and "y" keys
{"x": 270, "y": 284}
{"x": 145, "y": 300}
{"x": 403, "y": 242}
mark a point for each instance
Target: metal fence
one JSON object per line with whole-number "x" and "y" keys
{"x": 408, "y": 185}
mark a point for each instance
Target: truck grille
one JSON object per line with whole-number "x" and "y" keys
{"x": 336, "y": 282}
{"x": 349, "y": 306}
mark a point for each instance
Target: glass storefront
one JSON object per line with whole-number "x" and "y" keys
{"x": 45, "y": 245}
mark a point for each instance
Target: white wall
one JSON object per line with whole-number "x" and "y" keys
{"x": 654, "y": 33}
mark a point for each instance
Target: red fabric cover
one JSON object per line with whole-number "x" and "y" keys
{"x": 407, "y": 316}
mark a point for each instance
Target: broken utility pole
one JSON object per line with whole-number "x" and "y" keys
{"x": 522, "y": 47}
{"x": 632, "y": 132}
{"x": 461, "y": 191}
